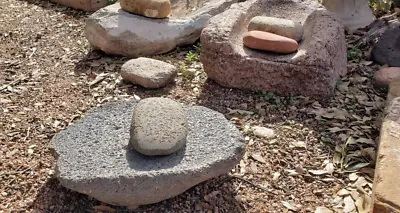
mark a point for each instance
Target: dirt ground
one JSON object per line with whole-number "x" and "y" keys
{"x": 49, "y": 77}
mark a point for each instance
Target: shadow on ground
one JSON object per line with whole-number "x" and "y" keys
{"x": 54, "y": 198}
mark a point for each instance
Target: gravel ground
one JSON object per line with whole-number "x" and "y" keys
{"x": 322, "y": 154}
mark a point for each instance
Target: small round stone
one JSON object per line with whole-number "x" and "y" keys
{"x": 148, "y": 8}
{"x": 261, "y": 40}
{"x": 159, "y": 127}
{"x": 283, "y": 27}
{"x": 385, "y": 76}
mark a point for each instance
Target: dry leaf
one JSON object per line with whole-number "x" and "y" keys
{"x": 353, "y": 176}
{"x": 348, "y": 205}
{"x": 330, "y": 168}
{"x": 323, "y": 210}
{"x": 318, "y": 172}
{"x": 258, "y": 157}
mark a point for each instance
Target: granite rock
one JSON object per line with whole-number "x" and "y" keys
{"x": 311, "y": 71}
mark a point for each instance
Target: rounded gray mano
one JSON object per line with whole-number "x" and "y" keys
{"x": 159, "y": 127}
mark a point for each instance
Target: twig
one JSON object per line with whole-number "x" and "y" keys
{"x": 253, "y": 184}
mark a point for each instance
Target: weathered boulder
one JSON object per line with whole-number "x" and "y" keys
{"x": 93, "y": 156}
{"x": 283, "y": 27}
{"x": 261, "y": 40}
{"x": 148, "y": 73}
{"x": 159, "y": 126}
{"x": 118, "y": 32}
{"x": 387, "y": 49}
{"x": 384, "y": 76}
{"x": 86, "y": 5}
{"x": 148, "y": 8}
{"x": 353, "y": 14}
{"x": 312, "y": 71}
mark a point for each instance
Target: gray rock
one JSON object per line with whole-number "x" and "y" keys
{"x": 86, "y": 5}
{"x": 284, "y": 27}
{"x": 148, "y": 73}
{"x": 263, "y": 132}
{"x": 387, "y": 49}
{"x": 159, "y": 126}
{"x": 116, "y": 31}
{"x": 311, "y": 71}
{"x": 93, "y": 156}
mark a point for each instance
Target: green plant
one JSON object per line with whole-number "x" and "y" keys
{"x": 192, "y": 56}
{"x": 353, "y": 53}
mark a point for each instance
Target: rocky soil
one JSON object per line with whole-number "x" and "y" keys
{"x": 321, "y": 154}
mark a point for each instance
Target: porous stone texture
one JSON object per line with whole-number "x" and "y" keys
{"x": 311, "y": 71}
{"x": 265, "y": 41}
{"x": 283, "y": 27}
{"x": 118, "y": 32}
{"x": 93, "y": 156}
{"x": 384, "y": 76}
{"x": 386, "y": 188}
{"x": 159, "y": 126}
{"x": 148, "y": 8}
{"x": 148, "y": 73}
{"x": 86, "y": 5}
{"x": 387, "y": 49}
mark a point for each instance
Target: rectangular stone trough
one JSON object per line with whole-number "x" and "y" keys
{"x": 311, "y": 71}
{"x": 386, "y": 189}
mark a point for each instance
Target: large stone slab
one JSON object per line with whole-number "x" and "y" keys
{"x": 386, "y": 188}
{"x": 94, "y": 156}
{"x": 118, "y": 32}
{"x": 312, "y": 71}
{"x": 86, "y": 5}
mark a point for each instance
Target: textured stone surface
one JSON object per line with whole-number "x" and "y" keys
{"x": 385, "y": 76}
{"x": 159, "y": 126}
{"x": 148, "y": 8}
{"x": 86, "y": 5}
{"x": 387, "y": 49}
{"x": 265, "y": 41}
{"x": 148, "y": 73}
{"x": 353, "y": 14}
{"x": 94, "y": 157}
{"x": 279, "y": 26}
{"x": 386, "y": 188}
{"x": 312, "y": 71}
{"x": 116, "y": 31}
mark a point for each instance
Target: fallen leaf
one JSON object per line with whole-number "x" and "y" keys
{"x": 276, "y": 176}
{"x": 318, "y": 172}
{"x": 353, "y": 176}
{"x": 258, "y": 157}
{"x": 290, "y": 206}
{"x": 330, "y": 168}
{"x": 322, "y": 210}
{"x": 348, "y": 205}
{"x": 343, "y": 192}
